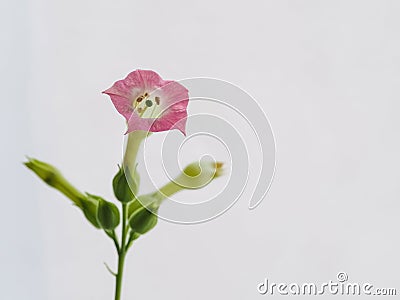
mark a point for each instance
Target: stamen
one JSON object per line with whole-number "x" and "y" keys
{"x": 152, "y": 111}
{"x": 142, "y": 111}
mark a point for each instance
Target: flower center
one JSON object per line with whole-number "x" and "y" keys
{"x": 145, "y": 106}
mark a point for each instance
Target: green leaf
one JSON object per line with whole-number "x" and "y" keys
{"x": 109, "y": 270}
{"x": 142, "y": 221}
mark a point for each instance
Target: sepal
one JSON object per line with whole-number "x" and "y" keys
{"x": 108, "y": 215}
{"x": 142, "y": 221}
{"x": 89, "y": 207}
{"x": 125, "y": 186}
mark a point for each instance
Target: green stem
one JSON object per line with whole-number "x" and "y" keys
{"x": 134, "y": 140}
{"x": 130, "y": 240}
{"x": 121, "y": 254}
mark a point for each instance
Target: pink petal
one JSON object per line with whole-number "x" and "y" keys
{"x": 128, "y": 87}
{"x": 173, "y": 93}
{"x": 176, "y": 120}
{"x": 150, "y": 79}
{"x": 123, "y": 92}
{"x": 122, "y": 105}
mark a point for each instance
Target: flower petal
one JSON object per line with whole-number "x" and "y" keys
{"x": 174, "y": 93}
{"x": 150, "y": 80}
{"x": 130, "y": 86}
{"x": 124, "y": 92}
{"x": 166, "y": 122}
{"x": 122, "y": 105}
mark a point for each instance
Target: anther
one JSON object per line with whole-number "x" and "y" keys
{"x": 140, "y": 99}
{"x": 157, "y": 99}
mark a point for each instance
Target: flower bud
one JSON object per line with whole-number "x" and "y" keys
{"x": 125, "y": 186}
{"x": 195, "y": 176}
{"x": 53, "y": 178}
{"x": 142, "y": 221}
{"x": 107, "y": 214}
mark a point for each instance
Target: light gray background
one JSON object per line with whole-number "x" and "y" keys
{"x": 327, "y": 74}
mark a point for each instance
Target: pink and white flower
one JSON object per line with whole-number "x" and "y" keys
{"x": 150, "y": 103}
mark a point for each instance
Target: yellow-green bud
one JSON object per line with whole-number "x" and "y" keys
{"x": 54, "y": 178}
{"x": 194, "y": 176}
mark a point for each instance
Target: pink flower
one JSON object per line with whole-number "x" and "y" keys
{"x": 150, "y": 103}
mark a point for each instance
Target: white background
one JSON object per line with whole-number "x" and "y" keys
{"x": 327, "y": 74}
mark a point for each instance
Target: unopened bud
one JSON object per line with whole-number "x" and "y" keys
{"x": 107, "y": 214}
{"x": 194, "y": 176}
{"x": 142, "y": 221}
{"x": 54, "y": 178}
{"x": 125, "y": 186}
